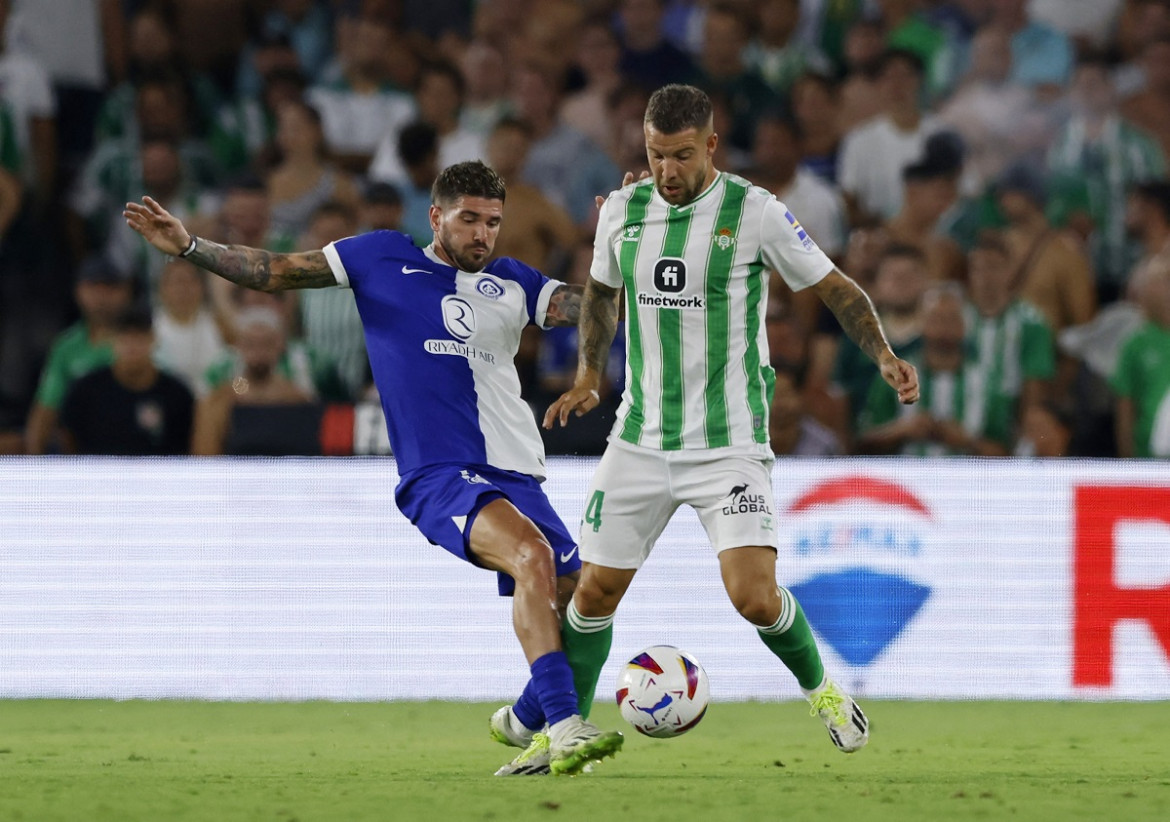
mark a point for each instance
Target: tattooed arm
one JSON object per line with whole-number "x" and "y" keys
{"x": 595, "y": 330}
{"x": 856, "y": 314}
{"x": 250, "y": 267}
{"x": 564, "y": 306}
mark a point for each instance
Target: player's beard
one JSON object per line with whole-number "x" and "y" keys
{"x": 462, "y": 256}
{"x": 688, "y": 190}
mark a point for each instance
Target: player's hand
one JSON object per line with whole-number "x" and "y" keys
{"x": 902, "y": 377}
{"x": 160, "y": 228}
{"x": 626, "y": 180}
{"x": 578, "y": 399}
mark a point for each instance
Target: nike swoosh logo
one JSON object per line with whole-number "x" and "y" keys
{"x": 568, "y": 556}
{"x": 406, "y": 270}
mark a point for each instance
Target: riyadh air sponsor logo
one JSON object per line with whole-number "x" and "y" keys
{"x": 454, "y": 348}
{"x": 458, "y": 317}
{"x": 856, "y": 542}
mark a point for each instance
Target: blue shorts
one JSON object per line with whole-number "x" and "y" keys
{"x": 443, "y": 500}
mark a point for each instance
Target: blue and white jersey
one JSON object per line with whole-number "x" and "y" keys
{"x": 441, "y": 344}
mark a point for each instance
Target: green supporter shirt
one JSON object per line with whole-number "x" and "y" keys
{"x": 1143, "y": 376}
{"x": 959, "y": 396}
{"x": 73, "y": 355}
{"x": 1010, "y": 348}
{"x": 314, "y": 372}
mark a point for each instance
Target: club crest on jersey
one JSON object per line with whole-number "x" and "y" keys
{"x": 489, "y": 288}
{"x": 801, "y": 234}
{"x": 724, "y": 239}
{"x": 458, "y": 317}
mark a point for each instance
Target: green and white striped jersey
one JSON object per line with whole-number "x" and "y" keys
{"x": 696, "y": 286}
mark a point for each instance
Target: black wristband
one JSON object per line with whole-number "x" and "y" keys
{"x": 186, "y": 252}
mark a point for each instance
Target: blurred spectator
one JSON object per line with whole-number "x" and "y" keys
{"x": 485, "y": 75}
{"x": 1109, "y": 155}
{"x": 304, "y": 178}
{"x": 313, "y": 372}
{"x": 81, "y": 44}
{"x": 776, "y": 52}
{"x": 908, "y": 26}
{"x": 1049, "y": 271}
{"x": 953, "y": 415}
{"x": 1142, "y": 379}
{"x": 363, "y": 106}
{"x": 1140, "y": 23}
{"x": 860, "y": 90}
{"x": 130, "y": 407}
{"x": 1042, "y": 57}
{"x": 562, "y": 162}
{"x": 25, "y": 87}
{"x": 258, "y": 382}
{"x": 1045, "y": 431}
{"x": 997, "y": 118}
{"x": 900, "y": 280}
{"x": 244, "y": 133}
{"x": 776, "y": 167}
{"x": 418, "y": 148}
{"x": 793, "y": 432}
{"x": 1090, "y": 24}
{"x": 787, "y": 333}
{"x": 103, "y": 293}
{"x": 304, "y": 27}
{"x": 439, "y": 99}
{"x": 188, "y": 336}
{"x": 874, "y": 154}
{"x": 648, "y": 58}
{"x": 153, "y": 53}
{"x": 597, "y": 61}
{"x": 535, "y": 231}
{"x": 815, "y": 103}
{"x": 1150, "y": 109}
{"x": 627, "y": 143}
{"x": 11, "y": 171}
{"x": 930, "y": 188}
{"x": 380, "y": 208}
{"x": 329, "y": 316}
{"x": 723, "y": 74}
{"x": 1011, "y": 345}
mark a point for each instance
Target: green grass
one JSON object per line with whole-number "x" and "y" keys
{"x": 97, "y": 760}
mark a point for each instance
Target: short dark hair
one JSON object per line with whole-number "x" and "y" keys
{"x": 417, "y": 142}
{"x": 893, "y": 55}
{"x": 1156, "y": 193}
{"x": 469, "y": 179}
{"x": 992, "y": 240}
{"x": 904, "y": 251}
{"x": 677, "y": 107}
{"x": 136, "y": 318}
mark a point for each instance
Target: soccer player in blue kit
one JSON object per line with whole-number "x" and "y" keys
{"x": 442, "y": 326}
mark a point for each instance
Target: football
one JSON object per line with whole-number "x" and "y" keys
{"x": 663, "y": 692}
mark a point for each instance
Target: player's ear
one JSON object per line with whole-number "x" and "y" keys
{"x": 436, "y": 215}
{"x": 712, "y": 143}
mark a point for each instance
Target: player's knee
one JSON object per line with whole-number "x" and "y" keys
{"x": 533, "y": 562}
{"x": 595, "y": 598}
{"x": 755, "y": 604}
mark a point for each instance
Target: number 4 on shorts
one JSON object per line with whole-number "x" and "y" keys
{"x": 593, "y": 510}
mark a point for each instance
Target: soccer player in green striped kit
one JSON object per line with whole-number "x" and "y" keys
{"x": 692, "y": 248}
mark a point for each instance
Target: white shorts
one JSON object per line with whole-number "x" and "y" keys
{"x": 635, "y": 493}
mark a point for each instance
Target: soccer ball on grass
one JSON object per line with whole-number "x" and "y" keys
{"x": 663, "y": 692}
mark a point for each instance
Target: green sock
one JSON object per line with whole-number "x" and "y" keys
{"x": 791, "y": 639}
{"x": 586, "y": 641}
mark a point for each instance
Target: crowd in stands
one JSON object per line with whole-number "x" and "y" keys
{"x": 992, "y": 172}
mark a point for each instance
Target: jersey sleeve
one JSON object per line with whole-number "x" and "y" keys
{"x": 787, "y": 248}
{"x": 605, "y": 268}
{"x": 354, "y": 259}
{"x": 538, "y": 290}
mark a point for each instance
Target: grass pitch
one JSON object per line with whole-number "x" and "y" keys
{"x": 98, "y": 760}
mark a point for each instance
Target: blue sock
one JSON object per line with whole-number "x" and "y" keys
{"x": 552, "y": 680}
{"x": 527, "y": 708}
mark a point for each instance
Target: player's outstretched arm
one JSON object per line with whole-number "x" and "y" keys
{"x": 250, "y": 267}
{"x": 857, "y": 316}
{"x": 595, "y": 333}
